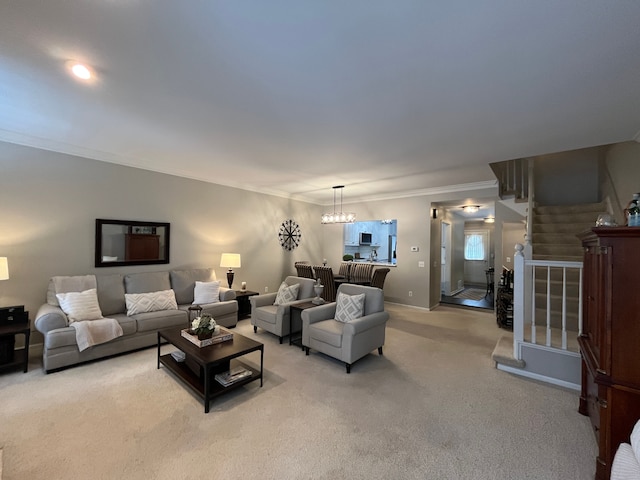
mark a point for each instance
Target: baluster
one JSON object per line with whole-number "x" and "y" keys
{"x": 548, "y": 306}
{"x": 564, "y": 308}
{"x": 533, "y": 308}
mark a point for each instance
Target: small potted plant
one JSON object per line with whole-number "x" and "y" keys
{"x": 204, "y": 326}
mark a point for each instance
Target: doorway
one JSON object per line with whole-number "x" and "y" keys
{"x": 445, "y": 248}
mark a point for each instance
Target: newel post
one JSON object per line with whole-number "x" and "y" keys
{"x": 518, "y": 299}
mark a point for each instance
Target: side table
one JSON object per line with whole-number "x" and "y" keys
{"x": 7, "y": 340}
{"x": 295, "y": 317}
{"x": 244, "y": 306}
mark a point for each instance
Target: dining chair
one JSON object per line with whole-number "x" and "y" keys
{"x": 304, "y": 269}
{"x": 361, "y": 273}
{"x": 325, "y": 276}
{"x": 343, "y": 272}
{"x": 379, "y": 274}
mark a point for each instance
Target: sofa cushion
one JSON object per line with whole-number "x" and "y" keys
{"x": 147, "y": 282}
{"x": 150, "y": 302}
{"x": 266, "y": 313}
{"x": 349, "y": 307}
{"x": 65, "y": 284}
{"x": 63, "y": 337}
{"x": 111, "y": 294}
{"x": 163, "y": 319}
{"x": 327, "y": 331}
{"x": 206, "y": 292}
{"x": 183, "y": 282}
{"x": 79, "y": 306}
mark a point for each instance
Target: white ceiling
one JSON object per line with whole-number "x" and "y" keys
{"x": 290, "y": 97}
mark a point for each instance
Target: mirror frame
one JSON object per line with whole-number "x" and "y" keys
{"x": 100, "y": 223}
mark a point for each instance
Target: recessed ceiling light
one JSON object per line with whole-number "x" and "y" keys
{"x": 81, "y": 71}
{"x": 489, "y": 220}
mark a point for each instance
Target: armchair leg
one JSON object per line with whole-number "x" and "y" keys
{"x": 379, "y": 350}
{"x": 348, "y": 367}
{"x": 255, "y": 329}
{"x": 280, "y": 340}
{"x": 306, "y": 350}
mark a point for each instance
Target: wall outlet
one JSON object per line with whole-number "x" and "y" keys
{"x": 508, "y": 259}
{"x": 414, "y": 249}
{"x": 266, "y": 289}
{"x": 410, "y": 293}
{"x": 421, "y": 264}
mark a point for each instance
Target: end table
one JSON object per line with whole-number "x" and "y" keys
{"x": 7, "y": 337}
{"x": 295, "y": 317}
{"x": 244, "y": 306}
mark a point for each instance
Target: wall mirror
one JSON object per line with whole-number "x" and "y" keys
{"x": 129, "y": 242}
{"x": 372, "y": 241}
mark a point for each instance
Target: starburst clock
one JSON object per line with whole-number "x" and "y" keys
{"x": 289, "y": 234}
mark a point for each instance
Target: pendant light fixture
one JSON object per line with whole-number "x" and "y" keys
{"x": 338, "y": 217}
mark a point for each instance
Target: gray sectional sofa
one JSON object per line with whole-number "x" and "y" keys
{"x": 60, "y": 347}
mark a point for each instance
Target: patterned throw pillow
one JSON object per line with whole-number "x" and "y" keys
{"x": 349, "y": 307}
{"x": 286, "y": 293}
{"x": 206, "y": 292}
{"x": 80, "y": 306}
{"x": 150, "y": 302}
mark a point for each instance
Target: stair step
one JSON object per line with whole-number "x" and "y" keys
{"x": 565, "y": 258}
{"x": 556, "y": 238}
{"x": 569, "y": 228}
{"x": 578, "y": 208}
{"x": 582, "y": 217}
{"x": 558, "y": 250}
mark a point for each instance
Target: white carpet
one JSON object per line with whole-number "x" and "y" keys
{"x": 433, "y": 407}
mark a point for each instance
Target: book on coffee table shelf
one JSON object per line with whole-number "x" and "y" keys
{"x": 223, "y": 336}
{"x": 232, "y": 376}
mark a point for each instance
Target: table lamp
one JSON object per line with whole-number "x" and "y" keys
{"x": 4, "y": 268}
{"x": 231, "y": 261}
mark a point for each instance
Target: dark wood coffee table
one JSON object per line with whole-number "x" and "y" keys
{"x": 201, "y": 364}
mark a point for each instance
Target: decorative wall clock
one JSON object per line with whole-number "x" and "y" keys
{"x": 289, "y": 234}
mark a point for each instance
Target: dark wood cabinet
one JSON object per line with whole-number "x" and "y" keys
{"x": 140, "y": 246}
{"x": 610, "y": 338}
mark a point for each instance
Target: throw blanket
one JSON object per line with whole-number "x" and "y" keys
{"x": 94, "y": 332}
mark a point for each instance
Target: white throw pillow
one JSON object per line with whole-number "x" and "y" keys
{"x": 150, "y": 302}
{"x": 349, "y": 307}
{"x": 80, "y": 306}
{"x": 635, "y": 440}
{"x": 206, "y": 292}
{"x": 286, "y": 293}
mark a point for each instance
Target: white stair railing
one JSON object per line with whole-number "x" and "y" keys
{"x": 524, "y": 300}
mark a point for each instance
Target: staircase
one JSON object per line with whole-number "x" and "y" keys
{"x": 549, "y": 352}
{"x": 554, "y": 230}
{"x": 554, "y": 237}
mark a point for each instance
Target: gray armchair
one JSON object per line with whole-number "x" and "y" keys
{"x": 348, "y": 341}
{"x": 275, "y": 318}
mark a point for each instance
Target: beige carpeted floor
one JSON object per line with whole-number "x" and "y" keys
{"x": 432, "y": 407}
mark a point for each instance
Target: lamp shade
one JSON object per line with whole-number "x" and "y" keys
{"x": 4, "y": 268}
{"x": 230, "y": 260}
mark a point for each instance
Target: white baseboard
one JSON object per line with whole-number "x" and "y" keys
{"x": 536, "y": 376}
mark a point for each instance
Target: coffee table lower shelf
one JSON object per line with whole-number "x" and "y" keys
{"x": 189, "y": 378}
{"x": 204, "y": 384}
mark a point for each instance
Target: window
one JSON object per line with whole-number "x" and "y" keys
{"x": 475, "y": 246}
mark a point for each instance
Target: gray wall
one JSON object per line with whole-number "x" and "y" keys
{"x": 568, "y": 178}
{"x": 50, "y": 202}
